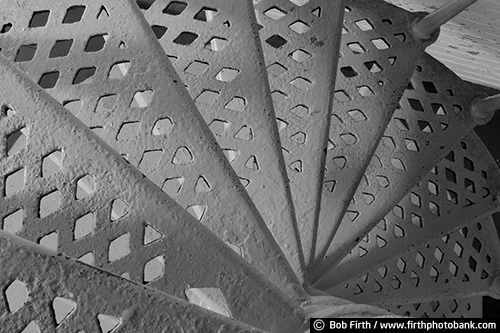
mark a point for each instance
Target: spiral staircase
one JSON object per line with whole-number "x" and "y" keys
{"x": 237, "y": 166}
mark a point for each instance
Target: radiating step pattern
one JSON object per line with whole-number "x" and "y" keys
{"x": 48, "y": 293}
{"x": 67, "y": 190}
{"x": 461, "y": 188}
{"x": 462, "y": 264}
{"x": 378, "y": 57}
{"x": 102, "y": 62}
{"x": 450, "y": 308}
{"x": 215, "y": 48}
{"x": 300, "y": 39}
{"x": 434, "y": 115}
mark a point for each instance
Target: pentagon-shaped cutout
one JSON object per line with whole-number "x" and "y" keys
{"x": 128, "y": 131}
{"x": 84, "y": 75}
{"x": 206, "y": 14}
{"x": 154, "y": 269}
{"x": 17, "y": 141}
{"x": 210, "y": 299}
{"x": 231, "y": 154}
{"x": 39, "y": 19}
{"x": 198, "y": 211}
{"x": 207, "y": 97}
{"x": 173, "y": 186}
{"x": 87, "y": 258}
{"x": 119, "y": 248}
{"x": 340, "y": 162}
{"x": 50, "y": 241}
{"x": 84, "y": 225}
{"x": 276, "y": 69}
{"x": 202, "y": 185}
{"x": 151, "y": 234}
{"x": 96, "y": 43}
{"x": 119, "y": 209}
{"x": 227, "y": 74}
{"x": 300, "y": 55}
{"x": 74, "y": 106}
{"x": 245, "y": 133}
{"x": 175, "y": 8}
{"x": 13, "y": 223}
{"x": 216, "y": 44}
{"x": 16, "y": 295}
{"x": 108, "y": 324}
{"x": 162, "y": 126}
{"x": 63, "y": 308}
{"x": 32, "y": 327}
{"x": 150, "y": 159}
{"x": 182, "y": 156}
{"x": 275, "y": 13}
{"x": 85, "y": 187}
{"x": 49, "y": 203}
{"x": 74, "y": 14}
{"x": 119, "y": 70}
{"x": 300, "y": 27}
{"x": 14, "y": 182}
{"x": 26, "y": 53}
{"x": 236, "y": 104}
{"x": 197, "y": 67}
{"x": 218, "y": 127}
{"x": 185, "y": 38}
{"x": 142, "y": 99}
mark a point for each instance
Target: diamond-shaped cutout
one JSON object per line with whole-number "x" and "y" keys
{"x": 300, "y": 111}
{"x": 14, "y": 182}
{"x": 380, "y": 43}
{"x": 198, "y": 211}
{"x": 300, "y": 55}
{"x": 206, "y": 14}
{"x": 276, "y": 41}
{"x": 434, "y": 208}
{"x": 411, "y": 145}
{"x": 63, "y": 308}
{"x": 106, "y": 103}
{"x": 52, "y": 163}
{"x": 276, "y": 69}
{"x": 216, "y": 44}
{"x": 197, "y": 67}
{"x": 13, "y": 223}
{"x": 275, "y": 13}
{"x": 119, "y": 209}
{"x": 84, "y": 226}
{"x": 401, "y": 265}
{"x": 365, "y": 91}
{"x": 119, "y": 70}
{"x": 119, "y": 248}
{"x": 154, "y": 269}
{"x": 17, "y": 141}
{"x": 150, "y": 159}
{"x": 349, "y": 139}
{"x": 84, "y": 75}
{"x": 39, "y": 19}
{"x": 301, "y": 83}
{"x": 50, "y": 241}
{"x": 364, "y": 25}
{"x": 416, "y": 220}
{"x": 108, "y": 324}
{"x": 429, "y": 87}
{"x": 162, "y": 126}
{"x": 175, "y": 8}
{"x": 50, "y": 203}
{"x": 173, "y": 186}
{"x": 300, "y": 27}
{"x": 356, "y": 48}
{"x": 207, "y": 97}
{"x": 16, "y": 295}
{"x": 142, "y": 99}
{"x": 349, "y": 72}
{"x": 85, "y": 187}
{"x": 96, "y": 43}
{"x": 399, "y": 232}
{"x": 26, "y": 53}
{"x": 236, "y": 104}
{"x": 342, "y": 96}
{"x": 151, "y": 234}
{"x": 227, "y": 74}
{"x": 357, "y": 115}
{"x": 185, "y": 38}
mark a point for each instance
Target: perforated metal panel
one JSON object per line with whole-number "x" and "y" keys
{"x": 461, "y": 264}
{"x": 102, "y": 61}
{"x": 49, "y": 293}
{"x": 95, "y": 207}
{"x": 223, "y": 68}
{"x": 455, "y": 308}
{"x": 378, "y": 57}
{"x": 301, "y": 42}
{"x": 434, "y": 115}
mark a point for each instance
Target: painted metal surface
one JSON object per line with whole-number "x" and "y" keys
{"x": 433, "y": 117}
{"x": 116, "y": 219}
{"x": 462, "y": 264}
{"x": 455, "y": 308}
{"x": 468, "y": 44}
{"x": 379, "y": 54}
{"x": 48, "y": 293}
{"x": 224, "y": 71}
{"x": 102, "y": 61}
{"x": 301, "y": 41}
{"x": 462, "y": 188}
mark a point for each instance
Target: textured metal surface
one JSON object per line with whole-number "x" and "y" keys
{"x": 117, "y": 220}
{"x": 239, "y": 110}
{"x": 115, "y": 77}
{"x": 434, "y": 116}
{"x": 301, "y": 40}
{"x": 468, "y": 44}
{"x": 379, "y": 54}
{"x": 462, "y": 264}
{"x": 460, "y": 189}
{"x": 48, "y": 293}
{"x": 455, "y": 308}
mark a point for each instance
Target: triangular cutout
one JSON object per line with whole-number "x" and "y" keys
{"x": 63, "y": 308}
{"x": 103, "y": 13}
{"x": 151, "y": 234}
{"x": 108, "y": 323}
